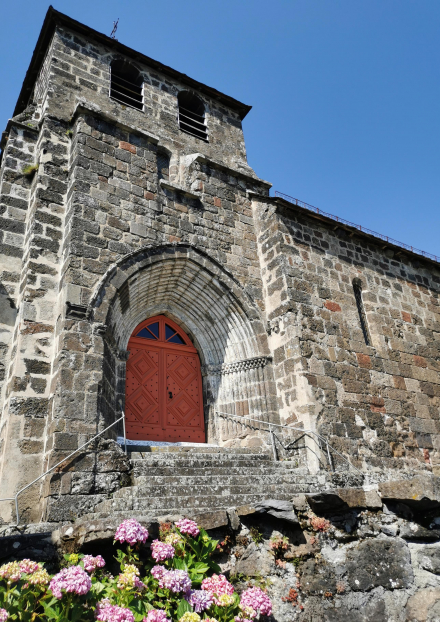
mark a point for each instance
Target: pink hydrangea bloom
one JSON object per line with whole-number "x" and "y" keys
{"x": 92, "y": 563}
{"x": 29, "y": 567}
{"x": 131, "y": 531}
{"x": 217, "y": 585}
{"x": 158, "y": 572}
{"x": 106, "y": 612}
{"x": 258, "y": 600}
{"x": 156, "y": 615}
{"x": 188, "y": 526}
{"x": 72, "y": 579}
{"x": 174, "y": 580}
{"x": 4, "y": 615}
{"x": 161, "y": 551}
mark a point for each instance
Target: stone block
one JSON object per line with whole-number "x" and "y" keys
{"x": 422, "y": 491}
{"x": 379, "y": 563}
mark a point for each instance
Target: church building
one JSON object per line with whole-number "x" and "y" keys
{"x": 154, "y": 289}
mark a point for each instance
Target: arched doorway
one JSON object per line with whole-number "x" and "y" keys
{"x": 164, "y": 399}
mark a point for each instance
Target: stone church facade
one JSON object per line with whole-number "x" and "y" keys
{"x": 126, "y": 195}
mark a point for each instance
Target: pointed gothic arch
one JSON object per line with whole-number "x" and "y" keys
{"x": 209, "y": 305}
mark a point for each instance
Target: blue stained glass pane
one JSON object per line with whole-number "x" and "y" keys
{"x": 176, "y": 339}
{"x": 151, "y": 332}
{"x": 172, "y": 336}
{"x": 154, "y": 329}
{"x": 146, "y": 334}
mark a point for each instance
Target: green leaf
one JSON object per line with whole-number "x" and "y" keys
{"x": 179, "y": 564}
{"x": 213, "y": 566}
{"x": 50, "y": 613}
{"x": 201, "y": 567}
{"x": 183, "y": 607}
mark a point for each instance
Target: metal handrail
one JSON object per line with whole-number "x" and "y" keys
{"x": 15, "y": 498}
{"x": 288, "y": 427}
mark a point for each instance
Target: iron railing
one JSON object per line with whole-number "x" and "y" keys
{"x": 385, "y": 238}
{"x": 318, "y": 438}
{"x": 15, "y": 498}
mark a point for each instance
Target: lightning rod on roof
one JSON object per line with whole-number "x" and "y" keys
{"x": 115, "y": 27}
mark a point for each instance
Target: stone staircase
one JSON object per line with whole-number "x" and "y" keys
{"x": 192, "y": 480}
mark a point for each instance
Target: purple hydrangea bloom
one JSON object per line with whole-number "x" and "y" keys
{"x": 4, "y": 615}
{"x": 73, "y": 579}
{"x": 174, "y": 580}
{"x": 131, "y": 531}
{"x": 199, "y": 600}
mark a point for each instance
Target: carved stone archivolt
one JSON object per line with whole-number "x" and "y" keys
{"x": 237, "y": 366}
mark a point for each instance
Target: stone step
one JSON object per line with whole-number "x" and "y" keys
{"x": 254, "y": 481}
{"x": 203, "y": 458}
{"x": 160, "y": 504}
{"x": 136, "y": 450}
{"x": 202, "y": 490}
{"x": 144, "y": 469}
{"x": 149, "y": 516}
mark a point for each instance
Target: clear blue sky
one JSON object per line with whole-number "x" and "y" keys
{"x": 345, "y": 93}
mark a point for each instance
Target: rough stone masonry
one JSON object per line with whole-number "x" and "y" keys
{"x": 112, "y": 210}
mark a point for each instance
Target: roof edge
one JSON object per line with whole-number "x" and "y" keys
{"x": 399, "y": 250}
{"x": 54, "y": 18}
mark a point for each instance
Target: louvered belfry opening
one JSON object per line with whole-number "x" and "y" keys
{"x": 357, "y": 288}
{"x": 192, "y": 115}
{"x": 126, "y": 84}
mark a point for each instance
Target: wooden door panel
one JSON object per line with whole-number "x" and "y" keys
{"x": 142, "y": 393}
{"x": 164, "y": 385}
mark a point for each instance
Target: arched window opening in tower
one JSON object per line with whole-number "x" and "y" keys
{"x": 192, "y": 115}
{"x": 126, "y": 84}
{"x": 357, "y": 288}
{"x": 163, "y": 166}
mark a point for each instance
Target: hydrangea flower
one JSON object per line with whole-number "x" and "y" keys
{"x": 247, "y": 614}
{"x": 188, "y": 526}
{"x": 190, "y": 617}
{"x": 28, "y": 566}
{"x": 158, "y": 572}
{"x": 156, "y": 615}
{"x": 173, "y": 539}
{"x": 199, "y": 600}
{"x": 73, "y": 579}
{"x": 129, "y": 579}
{"x": 11, "y": 572}
{"x": 225, "y": 600}
{"x": 174, "y": 580}
{"x": 131, "y": 531}
{"x": 217, "y": 585}
{"x": 92, "y": 563}
{"x": 4, "y": 615}
{"x": 258, "y": 600}
{"x": 160, "y": 551}
{"x": 106, "y": 612}
{"x": 40, "y": 577}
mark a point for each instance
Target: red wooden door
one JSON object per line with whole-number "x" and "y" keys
{"x": 164, "y": 384}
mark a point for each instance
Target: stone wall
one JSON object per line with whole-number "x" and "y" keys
{"x": 378, "y": 403}
{"x": 344, "y": 555}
